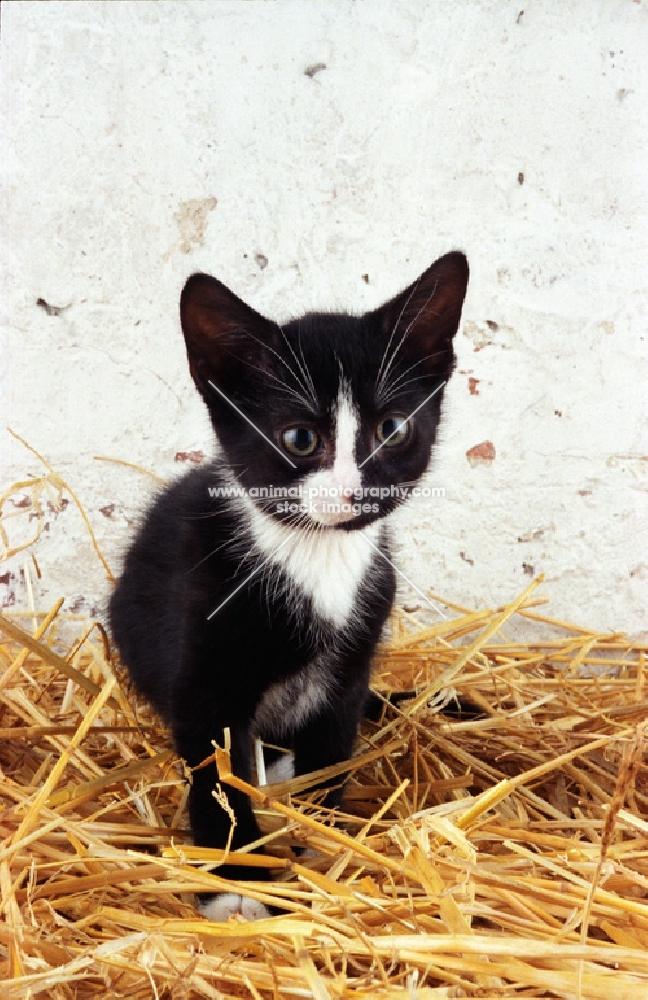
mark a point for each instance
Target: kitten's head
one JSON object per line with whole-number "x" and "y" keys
{"x": 328, "y": 401}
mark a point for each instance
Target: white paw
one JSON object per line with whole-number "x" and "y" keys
{"x": 282, "y": 769}
{"x": 221, "y": 907}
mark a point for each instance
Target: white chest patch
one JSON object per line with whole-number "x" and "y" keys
{"x": 327, "y": 566}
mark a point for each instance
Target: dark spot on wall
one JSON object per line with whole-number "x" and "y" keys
{"x": 472, "y": 386}
{"x": 530, "y": 536}
{"x": 558, "y": 413}
{"x": 467, "y": 559}
{"x": 50, "y": 309}
{"x": 108, "y": 510}
{"x": 520, "y": 178}
{"x": 528, "y": 569}
{"x": 314, "y": 69}
{"x": 56, "y": 508}
{"x": 365, "y": 278}
{"x": 492, "y": 325}
{"x": 261, "y": 260}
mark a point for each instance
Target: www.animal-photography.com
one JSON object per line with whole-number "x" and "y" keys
{"x": 323, "y": 499}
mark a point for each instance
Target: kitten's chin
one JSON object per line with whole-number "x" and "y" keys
{"x": 329, "y": 519}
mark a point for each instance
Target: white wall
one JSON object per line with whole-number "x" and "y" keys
{"x": 143, "y": 141}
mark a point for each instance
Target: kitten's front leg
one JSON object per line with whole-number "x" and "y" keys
{"x": 211, "y": 824}
{"x": 328, "y": 738}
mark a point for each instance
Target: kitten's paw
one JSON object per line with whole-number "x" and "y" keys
{"x": 221, "y": 907}
{"x": 282, "y": 769}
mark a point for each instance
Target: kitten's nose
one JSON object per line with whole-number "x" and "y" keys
{"x": 338, "y": 491}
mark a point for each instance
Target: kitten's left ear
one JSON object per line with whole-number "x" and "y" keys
{"x": 426, "y": 315}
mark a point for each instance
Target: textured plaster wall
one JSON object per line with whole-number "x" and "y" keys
{"x": 321, "y": 154}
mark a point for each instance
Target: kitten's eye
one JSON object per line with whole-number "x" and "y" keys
{"x": 300, "y": 441}
{"x": 393, "y": 431}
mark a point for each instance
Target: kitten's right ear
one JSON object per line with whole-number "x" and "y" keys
{"x": 223, "y": 335}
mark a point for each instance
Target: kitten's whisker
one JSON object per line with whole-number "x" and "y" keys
{"x": 384, "y": 400}
{"x": 280, "y": 358}
{"x": 396, "y": 325}
{"x": 287, "y": 388}
{"x": 407, "y": 370}
{"x": 392, "y": 383}
{"x": 406, "y": 578}
{"x": 409, "y": 327}
{"x": 208, "y": 556}
{"x": 304, "y": 371}
{"x": 397, "y": 390}
{"x": 308, "y": 372}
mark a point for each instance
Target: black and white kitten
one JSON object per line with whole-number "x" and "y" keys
{"x": 254, "y": 594}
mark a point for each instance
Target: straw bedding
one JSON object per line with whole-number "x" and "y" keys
{"x": 499, "y": 856}
{"x": 503, "y": 854}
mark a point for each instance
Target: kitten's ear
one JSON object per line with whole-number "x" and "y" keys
{"x": 224, "y": 336}
{"x": 426, "y": 315}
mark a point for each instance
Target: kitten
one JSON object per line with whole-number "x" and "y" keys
{"x": 253, "y": 596}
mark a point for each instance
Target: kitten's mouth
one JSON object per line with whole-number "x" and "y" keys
{"x": 345, "y": 522}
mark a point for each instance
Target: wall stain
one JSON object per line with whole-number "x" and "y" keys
{"x": 192, "y": 221}
{"x": 481, "y": 454}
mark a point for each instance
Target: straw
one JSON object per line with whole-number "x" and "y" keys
{"x": 503, "y": 855}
